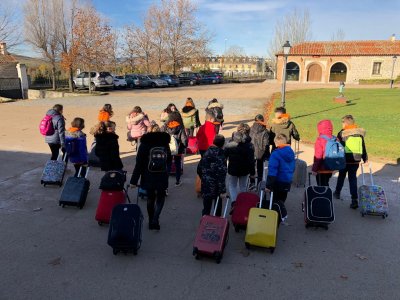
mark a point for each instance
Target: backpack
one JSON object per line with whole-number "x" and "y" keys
{"x": 46, "y": 126}
{"x": 188, "y": 122}
{"x": 173, "y": 145}
{"x": 157, "y": 160}
{"x": 218, "y": 114}
{"x": 334, "y": 158}
{"x": 353, "y": 145}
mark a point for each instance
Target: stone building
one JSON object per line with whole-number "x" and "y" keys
{"x": 347, "y": 61}
{"x": 231, "y": 64}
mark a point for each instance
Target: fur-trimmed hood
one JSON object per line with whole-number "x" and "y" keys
{"x": 283, "y": 120}
{"x": 353, "y": 131}
{"x": 214, "y": 105}
{"x": 237, "y": 138}
{"x": 188, "y": 111}
{"x": 74, "y": 133}
{"x": 135, "y": 120}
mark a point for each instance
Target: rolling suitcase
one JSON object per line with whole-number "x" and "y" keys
{"x": 54, "y": 170}
{"x": 372, "y": 198}
{"x": 173, "y": 167}
{"x": 125, "y": 232}
{"x": 94, "y": 160}
{"x": 212, "y": 235}
{"x": 75, "y": 191}
{"x": 113, "y": 181}
{"x": 318, "y": 206}
{"x": 262, "y": 226}
{"x": 241, "y": 207}
{"x": 193, "y": 147}
{"x": 300, "y": 171}
{"x": 108, "y": 199}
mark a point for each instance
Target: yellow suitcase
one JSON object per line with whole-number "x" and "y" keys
{"x": 262, "y": 227}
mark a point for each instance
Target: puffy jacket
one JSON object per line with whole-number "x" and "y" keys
{"x": 281, "y": 168}
{"x": 260, "y": 139}
{"x": 178, "y": 132}
{"x": 190, "y": 117}
{"x": 104, "y": 116}
{"x": 75, "y": 142}
{"x": 283, "y": 125}
{"x": 205, "y": 135}
{"x": 107, "y": 149}
{"x": 325, "y": 127}
{"x": 58, "y": 136}
{"x": 212, "y": 171}
{"x": 151, "y": 180}
{"x": 137, "y": 125}
{"x": 240, "y": 154}
{"x": 352, "y": 139}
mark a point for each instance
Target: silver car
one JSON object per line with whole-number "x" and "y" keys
{"x": 98, "y": 80}
{"x": 156, "y": 82}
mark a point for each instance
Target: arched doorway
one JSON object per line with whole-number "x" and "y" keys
{"x": 338, "y": 72}
{"x": 314, "y": 73}
{"x": 292, "y": 71}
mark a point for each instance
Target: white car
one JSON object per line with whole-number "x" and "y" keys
{"x": 120, "y": 82}
{"x": 156, "y": 82}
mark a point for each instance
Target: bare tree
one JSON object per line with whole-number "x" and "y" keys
{"x": 157, "y": 22}
{"x": 235, "y": 50}
{"x": 339, "y": 35}
{"x": 9, "y": 27}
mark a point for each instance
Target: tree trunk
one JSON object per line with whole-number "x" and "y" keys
{"x": 70, "y": 80}
{"x": 53, "y": 75}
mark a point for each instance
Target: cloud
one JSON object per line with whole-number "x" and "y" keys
{"x": 242, "y": 6}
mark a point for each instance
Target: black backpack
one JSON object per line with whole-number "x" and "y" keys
{"x": 113, "y": 181}
{"x": 157, "y": 160}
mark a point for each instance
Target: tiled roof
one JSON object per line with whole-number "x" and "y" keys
{"x": 7, "y": 59}
{"x": 347, "y": 48}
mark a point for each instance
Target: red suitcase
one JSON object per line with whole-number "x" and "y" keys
{"x": 241, "y": 208}
{"x": 173, "y": 167}
{"x": 212, "y": 235}
{"x": 108, "y": 199}
{"x": 193, "y": 146}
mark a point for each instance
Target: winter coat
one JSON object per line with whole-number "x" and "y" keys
{"x": 325, "y": 127}
{"x": 212, "y": 171}
{"x": 205, "y": 135}
{"x": 107, "y": 150}
{"x": 137, "y": 125}
{"x": 216, "y": 110}
{"x": 176, "y": 130}
{"x": 260, "y": 139}
{"x": 75, "y": 144}
{"x": 240, "y": 154}
{"x": 104, "y": 116}
{"x": 347, "y": 137}
{"x": 283, "y": 125}
{"x": 281, "y": 168}
{"x": 151, "y": 180}
{"x": 58, "y": 137}
{"x": 190, "y": 117}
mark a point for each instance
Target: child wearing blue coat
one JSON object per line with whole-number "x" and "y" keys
{"x": 75, "y": 142}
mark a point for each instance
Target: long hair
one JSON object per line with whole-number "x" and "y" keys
{"x": 108, "y": 108}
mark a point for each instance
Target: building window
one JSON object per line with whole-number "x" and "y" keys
{"x": 376, "y": 68}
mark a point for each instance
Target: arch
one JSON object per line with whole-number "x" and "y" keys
{"x": 314, "y": 73}
{"x": 292, "y": 71}
{"x": 338, "y": 72}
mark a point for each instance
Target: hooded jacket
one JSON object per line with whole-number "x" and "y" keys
{"x": 176, "y": 130}
{"x": 205, "y": 135}
{"x": 215, "y": 109}
{"x": 281, "y": 168}
{"x": 190, "y": 117}
{"x": 212, "y": 171}
{"x": 75, "y": 144}
{"x": 104, "y": 116}
{"x": 151, "y": 180}
{"x": 240, "y": 154}
{"x": 107, "y": 150}
{"x": 325, "y": 127}
{"x": 260, "y": 139}
{"x": 137, "y": 125}
{"x": 346, "y": 137}
{"x": 284, "y": 125}
{"x": 58, "y": 136}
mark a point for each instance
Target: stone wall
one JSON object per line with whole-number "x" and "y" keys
{"x": 362, "y": 68}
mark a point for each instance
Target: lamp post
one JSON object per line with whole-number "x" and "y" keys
{"x": 391, "y": 76}
{"x": 286, "y": 51}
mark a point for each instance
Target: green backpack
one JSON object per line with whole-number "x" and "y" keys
{"x": 353, "y": 145}
{"x": 188, "y": 122}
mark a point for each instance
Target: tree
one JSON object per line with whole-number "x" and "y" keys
{"x": 157, "y": 22}
{"x": 235, "y": 50}
{"x": 9, "y": 27}
{"x": 339, "y": 35}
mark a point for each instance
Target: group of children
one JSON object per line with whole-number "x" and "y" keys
{"x": 242, "y": 157}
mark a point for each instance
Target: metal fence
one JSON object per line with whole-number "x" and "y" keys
{"x": 10, "y": 88}
{"x": 46, "y": 83}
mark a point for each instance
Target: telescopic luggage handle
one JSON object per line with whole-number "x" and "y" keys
{"x": 370, "y": 173}
{"x": 297, "y": 149}
{"x": 80, "y": 171}
{"x": 226, "y": 206}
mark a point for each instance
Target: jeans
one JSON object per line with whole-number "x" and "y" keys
{"x": 208, "y": 203}
{"x": 155, "y": 204}
{"x": 323, "y": 179}
{"x": 55, "y": 150}
{"x": 236, "y": 185}
{"x": 351, "y": 171}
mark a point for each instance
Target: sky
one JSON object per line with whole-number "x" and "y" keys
{"x": 250, "y": 23}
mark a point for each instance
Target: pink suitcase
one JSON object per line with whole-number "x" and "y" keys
{"x": 108, "y": 200}
{"x": 241, "y": 208}
{"x": 193, "y": 147}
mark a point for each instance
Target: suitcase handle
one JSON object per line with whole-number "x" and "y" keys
{"x": 80, "y": 171}
{"x": 370, "y": 174}
{"x": 127, "y": 195}
{"x": 226, "y": 206}
{"x": 297, "y": 149}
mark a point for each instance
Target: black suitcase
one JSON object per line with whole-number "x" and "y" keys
{"x": 75, "y": 191}
{"x": 94, "y": 160}
{"x": 125, "y": 232}
{"x": 318, "y": 206}
{"x": 113, "y": 181}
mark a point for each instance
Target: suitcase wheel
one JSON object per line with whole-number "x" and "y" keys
{"x": 362, "y": 214}
{"x": 196, "y": 253}
{"x": 247, "y": 245}
{"x": 218, "y": 257}
{"x": 307, "y": 225}
{"x": 80, "y": 206}
{"x": 100, "y": 223}
{"x": 237, "y": 228}
{"x": 272, "y": 249}
{"x": 384, "y": 216}
{"x": 63, "y": 205}
{"x": 115, "y": 251}
{"x": 135, "y": 252}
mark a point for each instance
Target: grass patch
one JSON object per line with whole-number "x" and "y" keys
{"x": 376, "y": 110}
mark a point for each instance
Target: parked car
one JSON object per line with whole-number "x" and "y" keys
{"x": 98, "y": 80}
{"x": 190, "y": 78}
{"x": 211, "y": 78}
{"x": 120, "y": 82}
{"x": 156, "y": 82}
{"x": 137, "y": 81}
{"x": 172, "y": 80}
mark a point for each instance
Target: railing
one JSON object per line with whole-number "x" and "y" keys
{"x": 45, "y": 83}
{"x": 10, "y": 88}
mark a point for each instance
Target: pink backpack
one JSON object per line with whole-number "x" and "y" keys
{"x": 46, "y": 125}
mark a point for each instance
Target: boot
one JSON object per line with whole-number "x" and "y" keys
{"x": 354, "y": 204}
{"x": 336, "y": 195}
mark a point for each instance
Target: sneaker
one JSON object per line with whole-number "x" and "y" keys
{"x": 151, "y": 226}
{"x": 354, "y": 204}
{"x": 166, "y": 192}
{"x": 336, "y": 195}
{"x": 178, "y": 183}
{"x": 156, "y": 226}
{"x": 252, "y": 187}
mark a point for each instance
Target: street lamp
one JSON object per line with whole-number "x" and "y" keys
{"x": 286, "y": 51}
{"x": 391, "y": 77}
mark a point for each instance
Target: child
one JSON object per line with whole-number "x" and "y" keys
{"x": 56, "y": 141}
{"x": 240, "y": 154}
{"x": 325, "y": 127}
{"x": 138, "y": 124}
{"x": 174, "y": 127}
{"x": 190, "y": 116}
{"x": 206, "y": 134}
{"x": 215, "y": 108}
{"x": 352, "y": 138}
{"x": 76, "y": 147}
{"x": 260, "y": 138}
{"x": 212, "y": 171}
{"x": 282, "y": 124}
{"x": 165, "y": 113}
{"x": 107, "y": 147}
{"x": 155, "y": 182}
{"x": 280, "y": 169}
{"x": 105, "y": 113}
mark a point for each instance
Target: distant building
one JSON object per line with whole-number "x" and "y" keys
{"x": 347, "y": 61}
{"x": 8, "y": 63}
{"x": 231, "y": 64}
